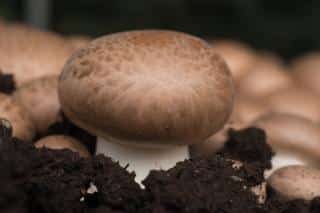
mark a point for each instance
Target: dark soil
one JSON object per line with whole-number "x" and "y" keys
{"x": 201, "y": 185}
{"x": 52, "y": 181}
{"x": 46, "y": 181}
{"x": 249, "y": 146}
{"x": 7, "y": 84}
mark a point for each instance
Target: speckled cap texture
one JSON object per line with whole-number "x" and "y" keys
{"x": 147, "y": 87}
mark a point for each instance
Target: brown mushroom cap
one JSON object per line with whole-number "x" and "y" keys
{"x": 239, "y": 56}
{"x": 265, "y": 78}
{"x": 40, "y": 99}
{"x": 247, "y": 109}
{"x": 306, "y": 71}
{"x": 297, "y": 101}
{"x": 296, "y": 182}
{"x": 293, "y": 133}
{"x": 147, "y": 87}
{"x": 63, "y": 142}
{"x": 28, "y": 53}
{"x": 79, "y": 41}
{"x": 21, "y": 122}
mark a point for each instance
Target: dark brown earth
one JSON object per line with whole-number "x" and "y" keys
{"x": 7, "y": 84}
{"x": 47, "y": 181}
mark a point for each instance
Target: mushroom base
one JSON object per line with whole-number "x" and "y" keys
{"x": 141, "y": 160}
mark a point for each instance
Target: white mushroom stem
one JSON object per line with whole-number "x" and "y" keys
{"x": 141, "y": 160}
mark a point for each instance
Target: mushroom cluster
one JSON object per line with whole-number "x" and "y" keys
{"x": 30, "y": 64}
{"x": 153, "y": 98}
{"x": 282, "y": 99}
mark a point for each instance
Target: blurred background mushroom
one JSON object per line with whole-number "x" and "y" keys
{"x": 19, "y": 118}
{"x": 28, "y": 53}
{"x": 40, "y": 98}
{"x": 63, "y": 142}
{"x": 296, "y": 182}
{"x": 295, "y": 139}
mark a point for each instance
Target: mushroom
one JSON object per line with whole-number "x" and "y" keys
{"x": 297, "y": 101}
{"x": 247, "y": 109}
{"x": 239, "y": 56}
{"x": 28, "y": 53}
{"x": 295, "y": 139}
{"x": 265, "y": 78}
{"x": 63, "y": 142}
{"x": 306, "y": 71}
{"x": 78, "y": 41}
{"x": 40, "y": 99}
{"x": 215, "y": 142}
{"x": 147, "y": 95}
{"x": 12, "y": 111}
{"x": 296, "y": 182}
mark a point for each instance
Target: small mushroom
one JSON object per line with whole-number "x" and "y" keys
{"x": 295, "y": 139}
{"x": 147, "y": 95}
{"x": 12, "y": 111}
{"x": 239, "y": 56}
{"x": 296, "y": 182}
{"x": 296, "y": 101}
{"x": 63, "y": 142}
{"x": 265, "y": 78}
{"x": 306, "y": 70}
{"x": 40, "y": 99}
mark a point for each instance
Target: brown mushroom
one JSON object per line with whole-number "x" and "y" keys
{"x": 147, "y": 95}
{"x": 265, "y": 77}
{"x": 78, "y": 41}
{"x": 297, "y": 101}
{"x": 28, "y": 53}
{"x": 63, "y": 142}
{"x": 306, "y": 71}
{"x": 296, "y": 182}
{"x": 22, "y": 125}
{"x": 239, "y": 56}
{"x": 40, "y": 99}
{"x": 295, "y": 139}
{"x": 247, "y": 109}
